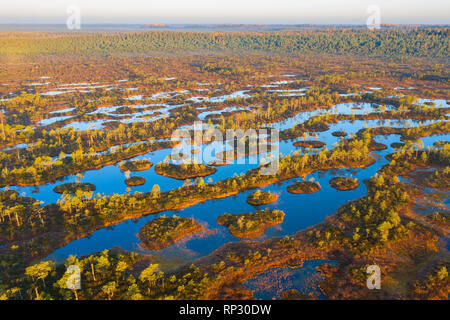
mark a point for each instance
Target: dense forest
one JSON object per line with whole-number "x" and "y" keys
{"x": 384, "y": 43}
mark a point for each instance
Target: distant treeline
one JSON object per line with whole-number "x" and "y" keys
{"x": 432, "y": 42}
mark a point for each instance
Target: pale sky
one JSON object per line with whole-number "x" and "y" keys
{"x": 225, "y": 11}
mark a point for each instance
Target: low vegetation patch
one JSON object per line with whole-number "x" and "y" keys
{"x": 439, "y": 179}
{"x": 439, "y": 218}
{"x": 339, "y": 133}
{"x": 184, "y": 171}
{"x": 135, "y": 181}
{"x": 441, "y": 144}
{"x": 304, "y": 187}
{"x": 436, "y": 283}
{"x": 250, "y": 225}
{"x": 165, "y": 231}
{"x": 397, "y": 145}
{"x": 73, "y": 187}
{"x": 343, "y": 183}
{"x": 137, "y": 165}
{"x": 309, "y": 144}
{"x": 260, "y": 198}
{"x": 217, "y": 163}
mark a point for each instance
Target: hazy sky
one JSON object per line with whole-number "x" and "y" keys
{"x": 229, "y": 11}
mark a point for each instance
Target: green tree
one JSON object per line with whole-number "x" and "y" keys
{"x": 39, "y": 272}
{"x": 149, "y": 274}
